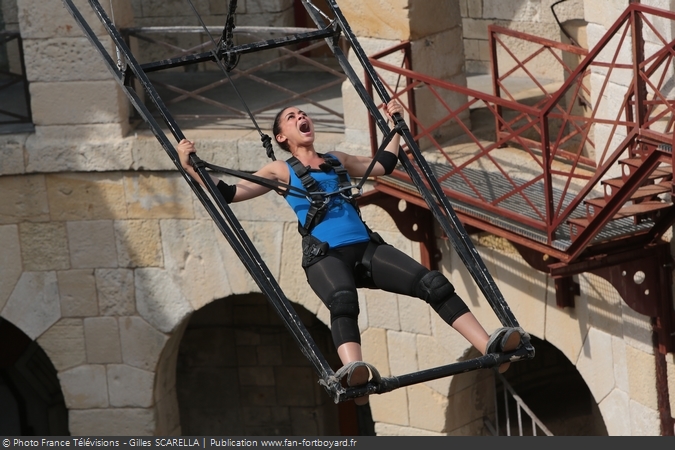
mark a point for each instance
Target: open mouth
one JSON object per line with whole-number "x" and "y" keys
{"x": 304, "y": 127}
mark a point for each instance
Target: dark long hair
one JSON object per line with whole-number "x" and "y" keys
{"x": 276, "y": 129}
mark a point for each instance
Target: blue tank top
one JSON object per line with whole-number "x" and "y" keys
{"x": 342, "y": 224}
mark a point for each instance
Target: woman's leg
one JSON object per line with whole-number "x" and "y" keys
{"x": 394, "y": 271}
{"x": 332, "y": 280}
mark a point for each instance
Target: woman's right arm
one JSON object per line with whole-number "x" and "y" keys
{"x": 244, "y": 189}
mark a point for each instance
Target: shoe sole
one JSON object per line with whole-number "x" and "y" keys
{"x": 511, "y": 344}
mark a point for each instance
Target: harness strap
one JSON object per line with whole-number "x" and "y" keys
{"x": 318, "y": 199}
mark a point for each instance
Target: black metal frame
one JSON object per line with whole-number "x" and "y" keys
{"x": 228, "y": 224}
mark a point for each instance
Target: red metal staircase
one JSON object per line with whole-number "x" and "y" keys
{"x": 578, "y": 175}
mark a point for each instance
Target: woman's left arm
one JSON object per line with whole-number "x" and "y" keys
{"x": 358, "y": 165}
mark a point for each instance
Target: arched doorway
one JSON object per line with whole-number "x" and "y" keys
{"x": 30, "y": 393}
{"x": 554, "y": 390}
{"x": 240, "y": 373}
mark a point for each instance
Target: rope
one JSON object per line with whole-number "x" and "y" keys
{"x": 266, "y": 140}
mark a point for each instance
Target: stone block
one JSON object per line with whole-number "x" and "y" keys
{"x": 427, "y": 18}
{"x": 523, "y": 288}
{"x": 77, "y": 102}
{"x": 167, "y": 416}
{"x": 10, "y": 261}
{"x": 138, "y": 243}
{"x": 472, "y": 49}
{"x": 637, "y": 330}
{"x": 474, "y": 8}
{"x": 92, "y": 244}
{"x": 12, "y": 154}
{"x": 194, "y": 262}
{"x": 267, "y": 6}
{"x": 475, "y": 28}
{"x": 566, "y": 328}
{"x": 24, "y": 199}
{"x": 112, "y": 422}
{"x": 428, "y": 409}
{"x": 641, "y": 377}
{"x": 469, "y": 404}
{"x": 141, "y": 343}
{"x": 116, "y": 292}
{"x": 34, "y": 306}
{"x": 40, "y": 22}
{"x": 102, "y": 336}
{"x": 85, "y": 387}
{"x": 615, "y": 409}
{"x": 64, "y": 344}
{"x": 448, "y": 338}
{"x": 256, "y": 376}
{"x": 384, "y": 429}
{"x": 604, "y": 304}
{"x": 9, "y": 12}
{"x": 670, "y": 368}
{"x": 292, "y": 383}
{"x": 375, "y": 352}
{"x": 89, "y": 196}
{"x": 524, "y": 11}
{"x": 103, "y": 138}
{"x": 402, "y": 351}
{"x": 620, "y": 363}
{"x": 77, "y": 289}
{"x": 595, "y": 363}
{"x": 379, "y": 18}
{"x": 148, "y": 154}
{"x": 129, "y": 386}
{"x": 158, "y": 196}
{"x": 64, "y": 59}
{"x": 44, "y": 246}
{"x": 431, "y": 354}
{"x": 158, "y": 8}
{"x": 644, "y": 421}
{"x": 414, "y": 315}
{"x": 159, "y": 300}
{"x": 382, "y": 309}
{"x": 80, "y": 154}
{"x": 391, "y": 407}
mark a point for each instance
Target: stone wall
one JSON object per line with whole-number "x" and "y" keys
{"x": 107, "y": 254}
{"x": 529, "y": 16}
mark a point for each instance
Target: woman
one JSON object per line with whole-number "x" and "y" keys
{"x": 341, "y": 253}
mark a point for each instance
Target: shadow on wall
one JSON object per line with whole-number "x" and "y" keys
{"x": 240, "y": 373}
{"x": 30, "y": 393}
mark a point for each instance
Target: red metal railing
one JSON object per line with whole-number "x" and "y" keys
{"x": 528, "y": 174}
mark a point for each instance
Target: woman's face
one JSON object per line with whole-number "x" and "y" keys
{"x": 296, "y": 128}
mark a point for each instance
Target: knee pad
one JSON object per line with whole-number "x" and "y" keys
{"x": 434, "y": 288}
{"x": 344, "y": 304}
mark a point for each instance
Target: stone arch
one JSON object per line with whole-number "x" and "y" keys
{"x": 239, "y": 372}
{"x": 33, "y": 403}
{"x": 549, "y": 384}
{"x": 557, "y": 392}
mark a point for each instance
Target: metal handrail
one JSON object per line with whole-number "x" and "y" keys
{"x": 521, "y": 407}
{"x": 533, "y": 171}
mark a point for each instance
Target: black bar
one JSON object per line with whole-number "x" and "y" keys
{"x": 234, "y": 233}
{"x": 446, "y": 217}
{"x": 238, "y": 49}
{"x": 388, "y": 384}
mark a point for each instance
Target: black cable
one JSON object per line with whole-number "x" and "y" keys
{"x": 266, "y": 140}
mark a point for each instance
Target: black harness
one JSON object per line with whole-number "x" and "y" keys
{"x": 318, "y": 200}
{"x": 313, "y": 248}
